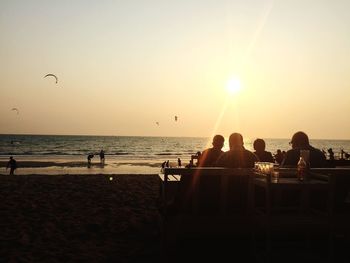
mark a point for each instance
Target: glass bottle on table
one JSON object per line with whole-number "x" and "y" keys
{"x": 301, "y": 169}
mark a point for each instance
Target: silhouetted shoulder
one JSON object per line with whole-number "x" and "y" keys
{"x": 291, "y": 158}
{"x": 252, "y": 158}
{"x": 237, "y": 159}
{"x": 209, "y": 157}
{"x": 222, "y": 160}
{"x": 265, "y": 156}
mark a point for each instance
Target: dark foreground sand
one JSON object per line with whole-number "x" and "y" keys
{"x": 90, "y": 218}
{"x": 79, "y": 218}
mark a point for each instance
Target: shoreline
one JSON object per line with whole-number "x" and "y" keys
{"x": 56, "y": 165}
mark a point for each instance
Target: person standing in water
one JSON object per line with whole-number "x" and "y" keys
{"x": 12, "y": 164}
{"x": 178, "y": 162}
{"x": 102, "y": 156}
{"x": 90, "y": 156}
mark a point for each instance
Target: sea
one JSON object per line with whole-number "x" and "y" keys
{"x": 57, "y": 154}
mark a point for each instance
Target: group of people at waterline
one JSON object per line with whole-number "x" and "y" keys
{"x": 102, "y": 157}
{"x": 12, "y": 163}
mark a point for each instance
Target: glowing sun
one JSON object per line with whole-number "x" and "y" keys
{"x": 233, "y": 86}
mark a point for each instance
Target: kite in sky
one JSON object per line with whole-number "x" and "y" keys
{"x": 175, "y": 118}
{"x": 52, "y": 75}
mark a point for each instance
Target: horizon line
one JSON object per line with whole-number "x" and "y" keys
{"x": 170, "y": 136}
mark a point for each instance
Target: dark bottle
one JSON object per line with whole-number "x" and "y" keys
{"x": 301, "y": 169}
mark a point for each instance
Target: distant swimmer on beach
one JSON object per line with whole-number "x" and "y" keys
{"x": 90, "y": 156}
{"x": 12, "y": 164}
{"x": 102, "y": 156}
{"x": 178, "y": 162}
{"x": 209, "y": 156}
{"x": 259, "y": 147}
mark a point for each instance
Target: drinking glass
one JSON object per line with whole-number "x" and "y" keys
{"x": 275, "y": 175}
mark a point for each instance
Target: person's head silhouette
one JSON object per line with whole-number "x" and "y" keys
{"x": 259, "y": 145}
{"x": 218, "y": 141}
{"x": 299, "y": 139}
{"x": 236, "y": 141}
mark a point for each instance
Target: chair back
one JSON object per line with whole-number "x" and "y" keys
{"x": 339, "y": 201}
{"x": 341, "y": 192}
{"x": 214, "y": 191}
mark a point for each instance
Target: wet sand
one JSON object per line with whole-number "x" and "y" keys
{"x": 51, "y": 166}
{"x": 42, "y": 164}
{"x": 79, "y": 218}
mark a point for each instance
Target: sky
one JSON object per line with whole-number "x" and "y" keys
{"x": 123, "y": 66}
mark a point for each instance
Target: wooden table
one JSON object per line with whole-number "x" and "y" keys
{"x": 169, "y": 178}
{"x": 284, "y": 184}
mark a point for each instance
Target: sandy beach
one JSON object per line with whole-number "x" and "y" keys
{"x": 102, "y": 218}
{"x": 79, "y": 218}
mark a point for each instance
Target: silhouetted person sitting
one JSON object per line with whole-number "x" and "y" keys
{"x": 345, "y": 154}
{"x": 190, "y": 164}
{"x": 331, "y": 154}
{"x": 237, "y": 156}
{"x": 300, "y": 141}
{"x": 259, "y": 147}
{"x": 12, "y": 164}
{"x": 279, "y": 156}
{"x": 209, "y": 156}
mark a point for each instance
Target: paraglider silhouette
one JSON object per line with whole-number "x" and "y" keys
{"x": 15, "y": 109}
{"x": 51, "y": 75}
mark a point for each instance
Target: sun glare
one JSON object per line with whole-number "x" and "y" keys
{"x": 233, "y": 86}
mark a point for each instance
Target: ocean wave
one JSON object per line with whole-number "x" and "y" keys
{"x": 126, "y": 147}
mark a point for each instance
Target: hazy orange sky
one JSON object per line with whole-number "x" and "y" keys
{"x": 125, "y": 65}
